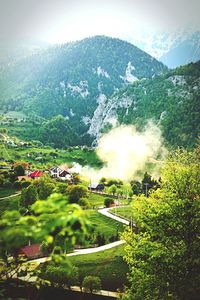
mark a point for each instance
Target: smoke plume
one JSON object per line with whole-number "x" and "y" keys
{"x": 127, "y": 152}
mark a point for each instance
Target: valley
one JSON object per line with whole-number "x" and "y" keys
{"x": 99, "y": 173}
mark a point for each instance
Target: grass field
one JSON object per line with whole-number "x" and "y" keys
{"x": 96, "y": 200}
{"x": 4, "y": 192}
{"x": 108, "y": 265}
{"x": 9, "y": 204}
{"x": 49, "y": 156}
{"x": 104, "y": 225}
{"x": 124, "y": 212}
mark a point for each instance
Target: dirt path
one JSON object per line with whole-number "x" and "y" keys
{"x": 11, "y": 196}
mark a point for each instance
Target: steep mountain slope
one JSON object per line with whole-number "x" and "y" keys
{"x": 74, "y": 78}
{"x": 184, "y": 52}
{"x": 170, "y": 100}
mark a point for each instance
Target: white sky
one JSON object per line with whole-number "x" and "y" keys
{"x": 59, "y": 21}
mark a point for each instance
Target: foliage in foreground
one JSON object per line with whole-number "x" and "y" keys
{"x": 163, "y": 252}
{"x": 53, "y": 220}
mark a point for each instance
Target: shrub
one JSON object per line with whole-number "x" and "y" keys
{"x": 76, "y": 193}
{"x": 19, "y": 170}
{"x": 25, "y": 184}
{"x": 17, "y": 185}
{"x": 108, "y": 202}
{"x": 84, "y": 203}
{"x": 92, "y": 284}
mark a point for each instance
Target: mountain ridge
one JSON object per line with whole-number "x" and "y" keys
{"x": 89, "y": 86}
{"x": 71, "y": 79}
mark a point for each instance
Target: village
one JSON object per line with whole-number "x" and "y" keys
{"x": 24, "y": 184}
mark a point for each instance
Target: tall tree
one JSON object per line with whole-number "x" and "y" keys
{"x": 163, "y": 251}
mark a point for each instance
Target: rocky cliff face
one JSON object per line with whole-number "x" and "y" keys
{"x": 171, "y": 101}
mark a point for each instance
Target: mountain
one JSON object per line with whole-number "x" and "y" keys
{"x": 173, "y": 48}
{"x": 73, "y": 79}
{"x": 185, "y": 52}
{"x": 170, "y": 100}
{"x": 74, "y": 92}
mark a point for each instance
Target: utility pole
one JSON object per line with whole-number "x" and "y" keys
{"x": 131, "y": 223}
{"x": 146, "y": 185}
{"x": 90, "y": 185}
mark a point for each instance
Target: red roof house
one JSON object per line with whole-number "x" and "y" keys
{"x": 32, "y": 251}
{"x": 36, "y": 174}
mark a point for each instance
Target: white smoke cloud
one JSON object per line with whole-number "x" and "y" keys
{"x": 125, "y": 152}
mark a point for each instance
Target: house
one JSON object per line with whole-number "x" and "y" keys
{"x": 31, "y": 251}
{"x": 60, "y": 173}
{"x": 96, "y": 187}
{"x": 65, "y": 175}
{"x": 55, "y": 171}
{"x": 35, "y": 174}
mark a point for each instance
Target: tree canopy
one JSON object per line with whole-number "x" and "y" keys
{"x": 163, "y": 251}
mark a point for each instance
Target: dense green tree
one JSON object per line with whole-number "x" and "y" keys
{"x": 61, "y": 187}
{"x": 63, "y": 273}
{"x": 136, "y": 187}
{"x": 45, "y": 186}
{"x": 76, "y": 192}
{"x": 116, "y": 182}
{"x": 102, "y": 180}
{"x": 112, "y": 189}
{"x": 84, "y": 203}
{"x": 28, "y": 196}
{"x": 76, "y": 178}
{"x": 19, "y": 170}
{"x": 3, "y": 130}
{"x": 148, "y": 183}
{"x": 58, "y": 132}
{"x": 108, "y": 202}
{"x": 17, "y": 185}
{"x": 92, "y": 284}
{"x": 163, "y": 251}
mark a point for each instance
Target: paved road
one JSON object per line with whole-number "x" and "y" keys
{"x": 81, "y": 251}
{"x": 105, "y": 212}
{"x": 112, "y": 294}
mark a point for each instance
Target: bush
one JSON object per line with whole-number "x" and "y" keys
{"x": 29, "y": 196}
{"x": 61, "y": 188}
{"x": 92, "y": 284}
{"x": 46, "y": 248}
{"x": 76, "y": 193}
{"x": 61, "y": 274}
{"x": 108, "y": 202}
{"x": 25, "y": 184}
{"x": 84, "y": 203}
{"x": 17, "y": 185}
{"x": 19, "y": 170}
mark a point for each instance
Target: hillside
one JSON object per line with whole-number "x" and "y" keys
{"x": 170, "y": 100}
{"x": 70, "y": 94}
{"x": 72, "y": 79}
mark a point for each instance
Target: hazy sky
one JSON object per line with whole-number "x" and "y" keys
{"x": 58, "y": 21}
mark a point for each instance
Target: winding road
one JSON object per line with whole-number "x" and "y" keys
{"x": 105, "y": 212}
